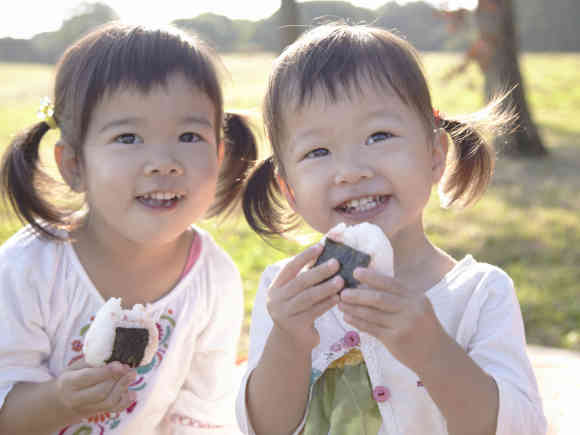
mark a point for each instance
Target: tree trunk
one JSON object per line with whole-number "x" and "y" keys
{"x": 498, "y": 58}
{"x": 288, "y": 23}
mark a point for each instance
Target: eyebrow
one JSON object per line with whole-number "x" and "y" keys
{"x": 117, "y": 123}
{"x": 380, "y": 113}
{"x": 135, "y": 120}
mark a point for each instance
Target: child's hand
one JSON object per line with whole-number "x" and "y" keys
{"x": 401, "y": 318}
{"x": 87, "y": 391}
{"x": 297, "y": 298}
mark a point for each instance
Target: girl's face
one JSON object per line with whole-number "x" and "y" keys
{"x": 150, "y": 162}
{"x": 367, "y": 157}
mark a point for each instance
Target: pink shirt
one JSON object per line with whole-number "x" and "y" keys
{"x": 194, "y": 252}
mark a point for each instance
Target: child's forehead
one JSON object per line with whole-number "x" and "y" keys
{"x": 322, "y": 94}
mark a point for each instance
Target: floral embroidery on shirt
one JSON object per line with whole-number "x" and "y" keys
{"x": 107, "y": 421}
{"x": 340, "y": 353}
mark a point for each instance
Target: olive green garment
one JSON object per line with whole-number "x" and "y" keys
{"x": 342, "y": 403}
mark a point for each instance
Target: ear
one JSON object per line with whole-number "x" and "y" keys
{"x": 439, "y": 154}
{"x": 69, "y": 166}
{"x": 287, "y": 191}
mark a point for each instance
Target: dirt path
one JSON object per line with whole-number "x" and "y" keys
{"x": 558, "y": 374}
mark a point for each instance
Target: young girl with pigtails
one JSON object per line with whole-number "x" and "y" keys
{"x": 438, "y": 348}
{"x": 144, "y": 139}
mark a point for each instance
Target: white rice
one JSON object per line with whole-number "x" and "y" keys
{"x": 368, "y": 238}
{"x": 100, "y": 338}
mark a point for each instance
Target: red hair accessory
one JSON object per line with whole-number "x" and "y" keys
{"x": 438, "y": 117}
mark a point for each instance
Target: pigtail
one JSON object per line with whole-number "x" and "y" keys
{"x": 21, "y": 179}
{"x": 262, "y": 202}
{"x": 240, "y": 154}
{"x": 471, "y": 162}
{"x": 469, "y": 168}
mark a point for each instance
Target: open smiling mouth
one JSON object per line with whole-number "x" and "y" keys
{"x": 160, "y": 199}
{"x": 362, "y": 204}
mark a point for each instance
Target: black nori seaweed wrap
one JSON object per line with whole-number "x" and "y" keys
{"x": 349, "y": 258}
{"x": 129, "y": 346}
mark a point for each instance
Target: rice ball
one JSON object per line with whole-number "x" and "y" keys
{"x": 363, "y": 245}
{"x": 128, "y": 336}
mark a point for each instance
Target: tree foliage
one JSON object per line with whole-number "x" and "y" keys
{"x": 542, "y": 25}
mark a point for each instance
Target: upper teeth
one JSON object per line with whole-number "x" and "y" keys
{"x": 365, "y": 203}
{"x": 162, "y": 195}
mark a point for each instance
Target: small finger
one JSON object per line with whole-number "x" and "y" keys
{"x": 121, "y": 396}
{"x": 88, "y": 377}
{"x": 293, "y": 268}
{"x": 316, "y": 275}
{"x": 93, "y": 397}
{"x": 372, "y": 298}
{"x": 379, "y": 281}
{"x": 365, "y": 326}
{"x": 314, "y": 295}
{"x": 320, "y": 308}
{"x": 369, "y": 314}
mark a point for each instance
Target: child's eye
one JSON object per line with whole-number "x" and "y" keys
{"x": 190, "y": 137}
{"x": 128, "y": 138}
{"x": 318, "y": 152}
{"x": 378, "y": 137}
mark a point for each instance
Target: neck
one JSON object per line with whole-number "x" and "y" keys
{"x": 137, "y": 272}
{"x": 418, "y": 263}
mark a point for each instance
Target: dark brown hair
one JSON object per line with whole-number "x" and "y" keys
{"x": 107, "y": 59}
{"x": 335, "y": 59}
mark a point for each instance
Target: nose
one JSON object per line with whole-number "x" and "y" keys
{"x": 351, "y": 170}
{"x": 163, "y": 165}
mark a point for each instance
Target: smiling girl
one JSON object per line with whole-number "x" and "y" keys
{"x": 437, "y": 349}
{"x": 144, "y": 139}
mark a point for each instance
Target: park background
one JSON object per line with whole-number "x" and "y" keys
{"x": 528, "y": 223}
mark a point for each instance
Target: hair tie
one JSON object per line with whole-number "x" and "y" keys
{"x": 438, "y": 118}
{"x": 46, "y": 113}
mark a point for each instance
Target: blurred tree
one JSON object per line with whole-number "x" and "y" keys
{"x": 289, "y": 20}
{"x": 216, "y": 29}
{"x": 418, "y": 22}
{"x": 85, "y": 17}
{"x": 496, "y": 53}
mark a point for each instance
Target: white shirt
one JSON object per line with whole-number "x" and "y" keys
{"x": 477, "y": 306}
{"x": 47, "y": 301}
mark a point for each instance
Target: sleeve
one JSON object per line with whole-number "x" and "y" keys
{"x": 24, "y": 344}
{"x": 259, "y": 331}
{"x": 205, "y": 403}
{"x": 499, "y": 348}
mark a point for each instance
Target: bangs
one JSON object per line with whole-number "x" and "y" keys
{"x": 144, "y": 59}
{"x": 139, "y": 58}
{"x": 335, "y": 61}
{"x": 338, "y": 65}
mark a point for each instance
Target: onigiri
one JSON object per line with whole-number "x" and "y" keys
{"x": 128, "y": 336}
{"x": 361, "y": 245}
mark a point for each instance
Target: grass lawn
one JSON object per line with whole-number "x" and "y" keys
{"x": 528, "y": 223}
